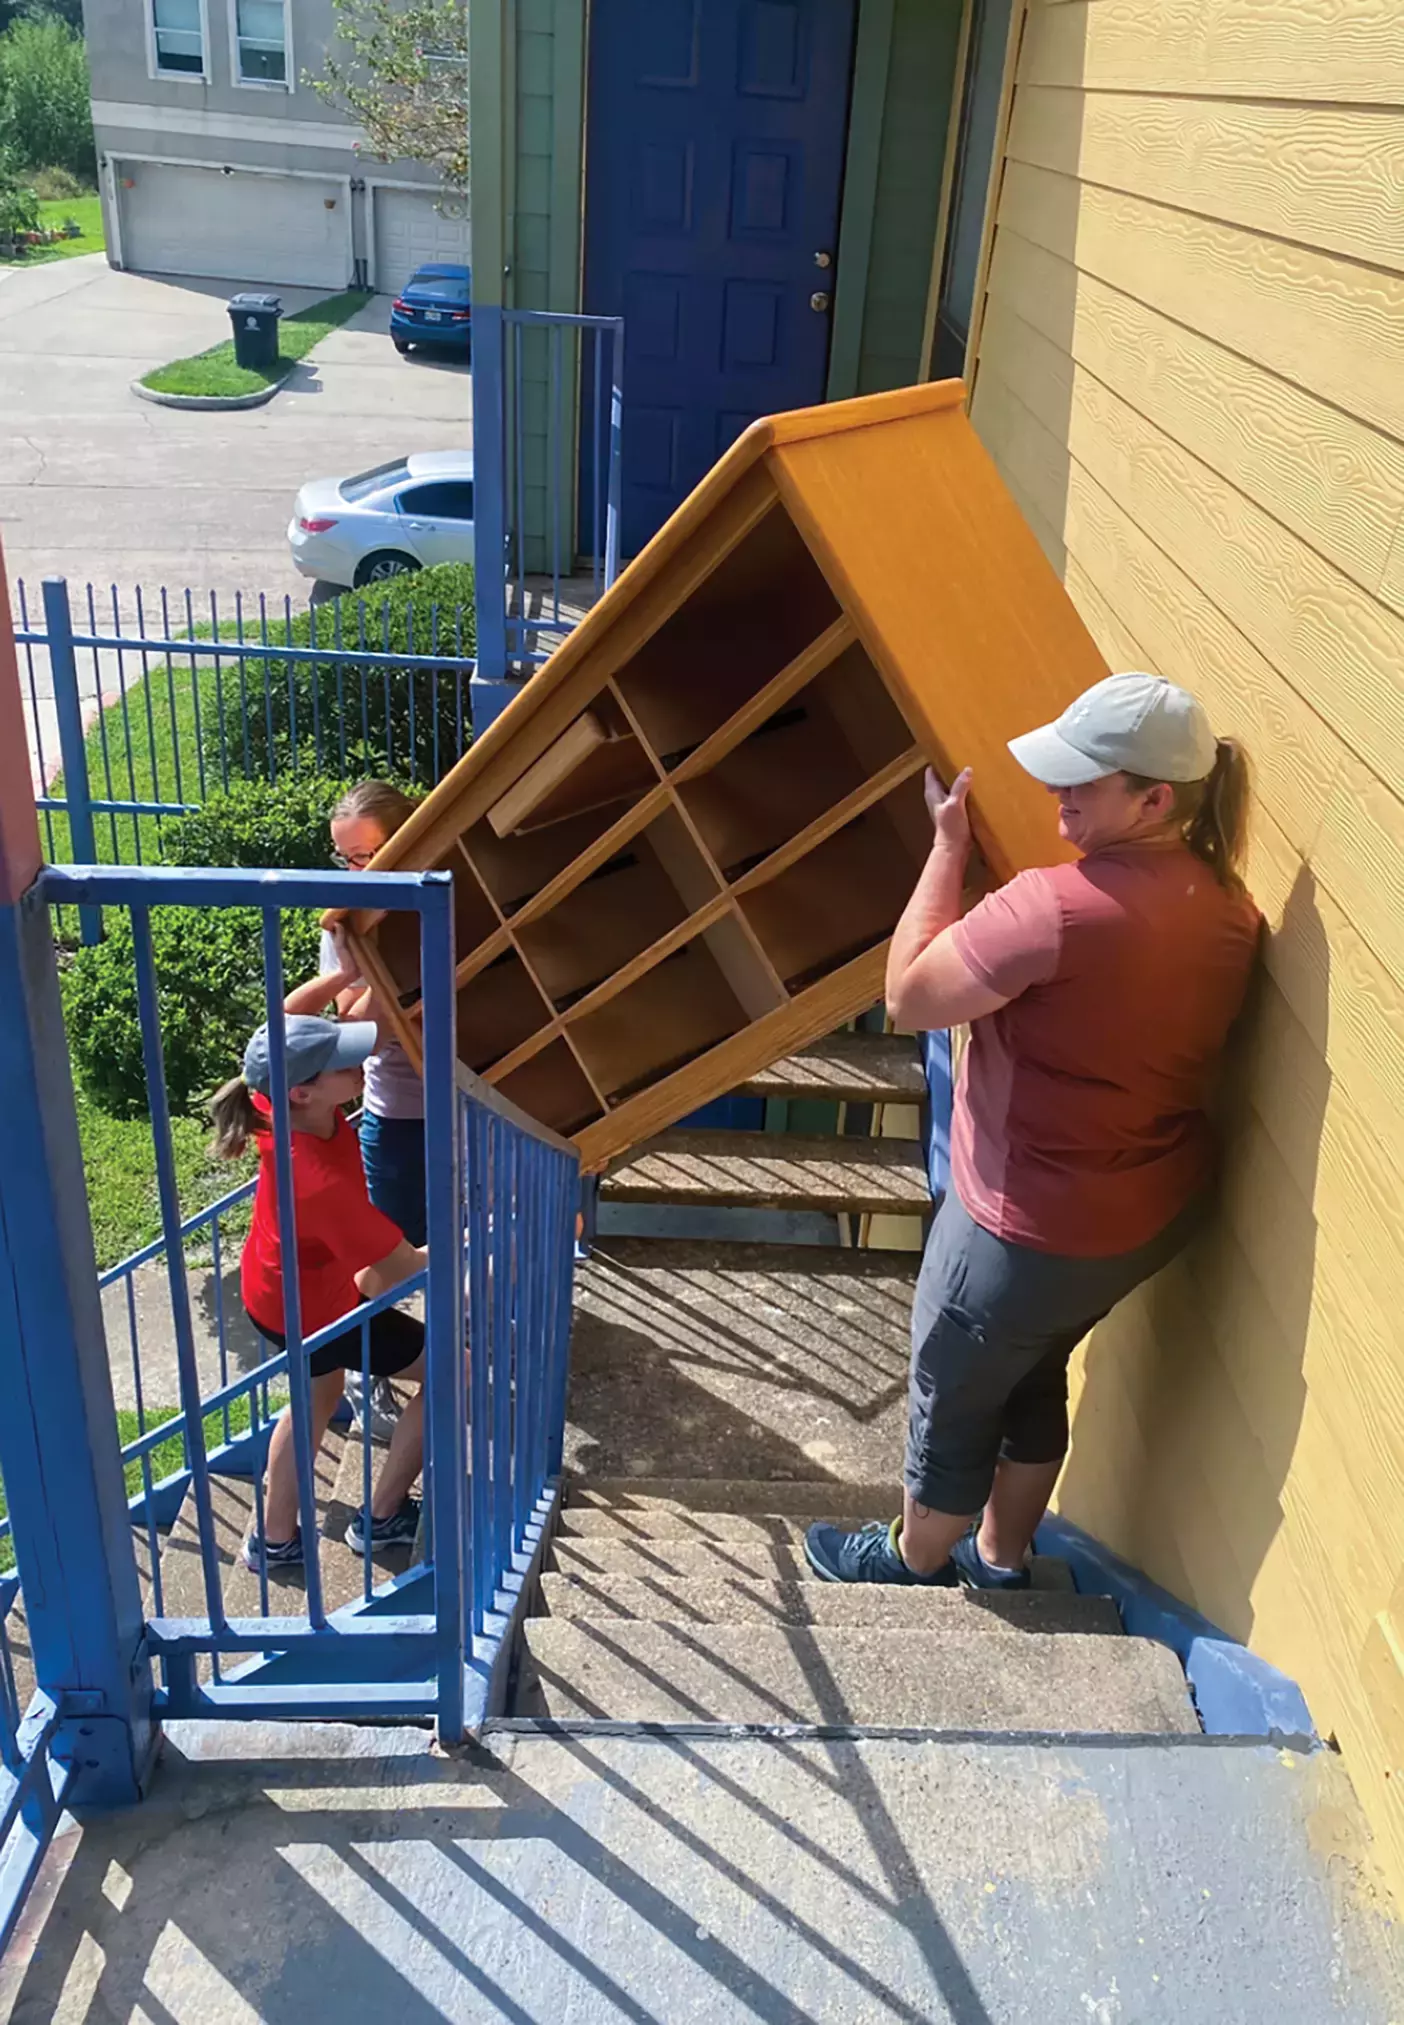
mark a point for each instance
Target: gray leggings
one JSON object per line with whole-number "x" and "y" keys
{"x": 993, "y": 1327}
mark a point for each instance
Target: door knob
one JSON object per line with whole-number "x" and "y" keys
{"x": 820, "y": 299}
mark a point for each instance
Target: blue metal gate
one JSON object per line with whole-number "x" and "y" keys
{"x": 109, "y": 1660}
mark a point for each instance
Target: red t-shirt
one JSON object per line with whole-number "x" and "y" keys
{"x": 1079, "y": 1123}
{"x": 339, "y": 1229}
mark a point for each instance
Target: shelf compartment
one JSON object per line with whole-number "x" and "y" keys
{"x": 820, "y": 747}
{"x": 498, "y": 1010}
{"x": 648, "y": 890}
{"x": 764, "y": 704}
{"x": 497, "y": 944}
{"x": 676, "y": 1011}
{"x": 876, "y": 789}
{"x": 762, "y": 605}
{"x": 553, "y": 1088}
{"x": 844, "y": 897}
{"x": 596, "y": 762}
{"x": 530, "y": 866}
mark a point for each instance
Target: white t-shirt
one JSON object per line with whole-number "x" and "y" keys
{"x": 393, "y": 1087}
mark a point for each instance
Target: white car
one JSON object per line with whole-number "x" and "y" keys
{"x": 382, "y": 523}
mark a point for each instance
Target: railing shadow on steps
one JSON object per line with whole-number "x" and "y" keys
{"x": 431, "y": 1643}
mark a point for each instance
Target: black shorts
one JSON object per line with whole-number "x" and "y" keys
{"x": 993, "y": 1327}
{"x": 396, "y": 1339}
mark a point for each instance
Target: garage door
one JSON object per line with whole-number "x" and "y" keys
{"x": 410, "y": 229}
{"x": 238, "y": 227}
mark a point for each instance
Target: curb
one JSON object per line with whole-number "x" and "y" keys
{"x": 1237, "y": 1693}
{"x": 211, "y": 401}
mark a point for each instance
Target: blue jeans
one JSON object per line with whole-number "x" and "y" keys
{"x": 392, "y": 1151}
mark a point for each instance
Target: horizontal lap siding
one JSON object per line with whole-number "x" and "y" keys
{"x": 1191, "y": 373}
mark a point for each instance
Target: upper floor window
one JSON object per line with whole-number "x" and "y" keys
{"x": 260, "y": 42}
{"x": 179, "y": 37}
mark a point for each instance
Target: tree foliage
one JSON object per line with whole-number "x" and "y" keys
{"x": 404, "y": 80}
{"x": 45, "y": 113}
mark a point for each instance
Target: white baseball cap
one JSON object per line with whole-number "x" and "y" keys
{"x": 1126, "y": 724}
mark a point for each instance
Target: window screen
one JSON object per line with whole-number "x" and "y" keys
{"x": 263, "y": 56}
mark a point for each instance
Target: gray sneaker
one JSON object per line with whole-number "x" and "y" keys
{"x": 384, "y": 1406}
{"x": 401, "y": 1529}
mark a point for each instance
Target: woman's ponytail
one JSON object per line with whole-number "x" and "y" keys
{"x": 235, "y": 1120}
{"x": 1217, "y": 830}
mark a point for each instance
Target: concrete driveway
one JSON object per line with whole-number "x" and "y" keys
{"x": 102, "y": 487}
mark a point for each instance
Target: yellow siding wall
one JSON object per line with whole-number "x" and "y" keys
{"x": 1191, "y": 373}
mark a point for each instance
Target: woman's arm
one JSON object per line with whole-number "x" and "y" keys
{"x": 928, "y": 982}
{"x": 402, "y": 1264}
{"x": 330, "y": 987}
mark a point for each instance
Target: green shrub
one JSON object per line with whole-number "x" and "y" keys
{"x": 254, "y": 824}
{"x": 45, "y": 115}
{"x": 209, "y": 961}
{"x": 19, "y": 206}
{"x": 364, "y": 720}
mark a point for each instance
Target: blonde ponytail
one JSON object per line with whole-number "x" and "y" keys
{"x": 234, "y": 1118}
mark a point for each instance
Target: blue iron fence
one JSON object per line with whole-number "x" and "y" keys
{"x": 148, "y": 722}
{"x": 431, "y": 1643}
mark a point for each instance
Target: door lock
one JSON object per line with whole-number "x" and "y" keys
{"x": 823, "y": 260}
{"x": 820, "y": 300}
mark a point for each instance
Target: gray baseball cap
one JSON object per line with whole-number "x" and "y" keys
{"x": 1126, "y": 724}
{"x": 312, "y": 1047}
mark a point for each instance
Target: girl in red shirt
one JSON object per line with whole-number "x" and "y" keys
{"x": 347, "y": 1251}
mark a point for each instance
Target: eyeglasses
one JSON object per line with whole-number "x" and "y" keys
{"x": 356, "y": 862}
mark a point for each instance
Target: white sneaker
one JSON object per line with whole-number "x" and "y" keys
{"x": 384, "y": 1406}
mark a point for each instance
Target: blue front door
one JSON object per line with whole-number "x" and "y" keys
{"x": 714, "y": 147}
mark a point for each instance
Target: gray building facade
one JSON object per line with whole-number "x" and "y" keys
{"x": 217, "y": 158}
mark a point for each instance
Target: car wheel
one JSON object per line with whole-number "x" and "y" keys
{"x": 384, "y": 564}
{"x": 401, "y": 346}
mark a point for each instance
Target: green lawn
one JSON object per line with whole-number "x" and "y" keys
{"x": 215, "y": 373}
{"x": 53, "y": 211}
{"x": 120, "y": 1164}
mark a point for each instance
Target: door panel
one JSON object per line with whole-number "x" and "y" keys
{"x": 715, "y": 161}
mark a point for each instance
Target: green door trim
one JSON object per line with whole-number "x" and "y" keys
{"x": 871, "y": 57}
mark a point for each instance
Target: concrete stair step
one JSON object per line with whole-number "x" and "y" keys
{"x": 754, "y": 1361}
{"x": 629, "y": 1671}
{"x": 764, "y": 1560}
{"x": 233, "y": 1501}
{"x": 625, "y": 1495}
{"x": 580, "y": 1523}
{"x": 739, "y": 1599}
{"x": 768, "y": 1170}
{"x": 846, "y": 1068}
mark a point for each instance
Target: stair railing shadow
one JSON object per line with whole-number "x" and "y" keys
{"x": 963, "y": 2001}
{"x": 321, "y": 1904}
{"x": 828, "y": 1262}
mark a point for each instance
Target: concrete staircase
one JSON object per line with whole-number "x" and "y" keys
{"x": 670, "y": 1602}
{"x": 339, "y": 1482}
{"x": 724, "y": 1394}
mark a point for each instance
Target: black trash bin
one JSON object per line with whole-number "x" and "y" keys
{"x": 255, "y": 321}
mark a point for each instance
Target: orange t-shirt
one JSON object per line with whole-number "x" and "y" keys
{"x": 339, "y": 1229}
{"x": 1079, "y": 1123}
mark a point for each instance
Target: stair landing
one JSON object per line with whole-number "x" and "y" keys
{"x": 331, "y": 1873}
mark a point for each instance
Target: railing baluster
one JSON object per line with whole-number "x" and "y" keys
{"x": 149, "y": 1015}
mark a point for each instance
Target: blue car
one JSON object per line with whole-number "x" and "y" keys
{"x": 434, "y": 308}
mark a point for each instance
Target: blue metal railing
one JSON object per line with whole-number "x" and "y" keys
{"x": 548, "y": 403}
{"x": 163, "y": 707}
{"x": 433, "y": 1642}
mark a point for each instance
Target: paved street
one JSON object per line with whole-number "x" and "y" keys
{"x": 103, "y": 487}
